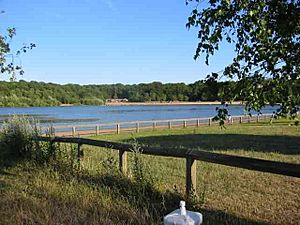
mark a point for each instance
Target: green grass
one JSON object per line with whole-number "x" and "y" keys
{"x": 97, "y": 194}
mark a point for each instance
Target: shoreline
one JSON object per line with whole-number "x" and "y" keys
{"x": 168, "y": 103}
{"x": 131, "y": 104}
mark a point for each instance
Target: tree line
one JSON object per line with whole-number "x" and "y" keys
{"x": 23, "y": 93}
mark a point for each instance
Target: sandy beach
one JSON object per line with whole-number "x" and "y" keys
{"x": 167, "y": 103}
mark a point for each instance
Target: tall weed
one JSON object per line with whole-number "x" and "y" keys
{"x": 146, "y": 194}
{"x": 140, "y": 170}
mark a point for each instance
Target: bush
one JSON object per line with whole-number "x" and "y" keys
{"x": 18, "y": 141}
{"x": 17, "y": 137}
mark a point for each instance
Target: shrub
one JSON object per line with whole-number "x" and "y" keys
{"x": 17, "y": 137}
{"x": 18, "y": 141}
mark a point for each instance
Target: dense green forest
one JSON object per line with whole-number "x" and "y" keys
{"x": 33, "y": 93}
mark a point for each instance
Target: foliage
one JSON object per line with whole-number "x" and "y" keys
{"x": 266, "y": 39}
{"x": 140, "y": 170}
{"x": 221, "y": 116}
{"x": 17, "y": 137}
{"x": 33, "y": 93}
{"x": 18, "y": 141}
{"x": 7, "y": 56}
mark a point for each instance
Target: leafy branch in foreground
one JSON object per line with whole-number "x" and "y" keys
{"x": 266, "y": 39}
{"x": 7, "y": 56}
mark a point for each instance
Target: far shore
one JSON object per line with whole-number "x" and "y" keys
{"x": 168, "y": 103}
{"x": 66, "y": 105}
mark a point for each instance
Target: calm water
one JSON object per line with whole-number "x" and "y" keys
{"x": 109, "y": 114}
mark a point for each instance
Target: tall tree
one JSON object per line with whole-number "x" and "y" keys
{"x": 266, "y": 37}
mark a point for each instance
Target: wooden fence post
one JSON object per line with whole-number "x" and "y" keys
{"x": 241, "y": 119}
{"x": 118, "y": 128}
{"x": 184, "y": 124}
{"x": 257, "y": 119}
{"x": 52, "y": 149}
{"x": 198, "y": 123}
{"x": 79, "y": 152}
{"x": 209, "y": 122}
{"x": 191, "y": 175}
{"x": 137, "y": 127}
{"x": 97, "y": 130}
{"x": 154, "y": 125}
{"x": 73, "y": 131}
{"x": 123, "y": 161}
{"x": 52, "y": 131}
{"x": 170, "y": 126}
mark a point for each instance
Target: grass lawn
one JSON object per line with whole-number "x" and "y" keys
{"x": 98, "y": 195}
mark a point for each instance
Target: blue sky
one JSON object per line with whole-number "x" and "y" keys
{"x": 107, "y": 41}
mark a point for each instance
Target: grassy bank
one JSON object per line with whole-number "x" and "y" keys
{"x": 97, "y": 194}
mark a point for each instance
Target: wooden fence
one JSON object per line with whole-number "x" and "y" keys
{"x": 137, "y": 126}
{"x": 191, "y": 157}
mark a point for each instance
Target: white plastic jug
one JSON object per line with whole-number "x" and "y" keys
{"x": 183, "y": 217}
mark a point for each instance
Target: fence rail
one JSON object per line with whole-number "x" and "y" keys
{"x": 191, "y": 156}
{"x": 137, "y": 126}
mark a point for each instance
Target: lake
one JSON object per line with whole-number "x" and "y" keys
{"x": 109, "y": 114}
